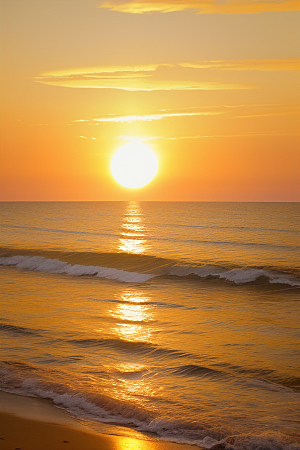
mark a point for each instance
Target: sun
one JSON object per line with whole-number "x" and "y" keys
{"x": 134, "y": 165}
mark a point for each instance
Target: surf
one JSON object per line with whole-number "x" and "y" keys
{"x": 132, "y": 268}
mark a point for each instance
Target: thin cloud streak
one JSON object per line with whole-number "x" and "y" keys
{"x": 201, "y": 6}
{"x": 98, "y": 70}
{"x": 247, "y": 64}
{"x": 268, "y": 114}
{"x": 144, "y": 77}
{"x": 255, "y": 110}
{"x": 146, "y": 117}
{"x": 140, "y": 84}
{"x": 249, "y": 134}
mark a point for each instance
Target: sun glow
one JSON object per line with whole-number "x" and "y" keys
{"x": 134, "y": 165}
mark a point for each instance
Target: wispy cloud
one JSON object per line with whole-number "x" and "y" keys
{"x": 139, "y": 83}
{"x": 99, "y": 70}
{"x": 202, "y": 6}
{"x": 248, "y": 116}
{"x": 84, "y": 137}
{"x": 233, "y": 111}
{"x": 247, "y": 64}
{"x": 246, "y": 134}
{"x": 147, "y": 117}
{"x": 212, "y": 136}
{"x": 160, "y": 77}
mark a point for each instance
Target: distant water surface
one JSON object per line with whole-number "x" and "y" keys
{"x": 177, "y": 319}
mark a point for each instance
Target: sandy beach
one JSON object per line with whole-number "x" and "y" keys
{"x": 34, "y": 424}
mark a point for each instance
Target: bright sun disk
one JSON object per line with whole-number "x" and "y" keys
{"x": 134, "y": 165}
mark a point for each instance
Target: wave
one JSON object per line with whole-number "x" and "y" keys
{"x": 145, "y": 302}
{"x": 264, "y": 379}
{"x": 238, "y": 275}
{"x": 169, "y": 239}
{"x": 180, "y": 225}
{"x": 219, "y": 227}
{"x": 132, "y": 374}
{"x": 132, "y": 268}
{"x": 194, "y": 370}
{"x": 16, "y": 330}
{"x": 56, "y": 230}
{"x": 140, "y": 347}
{"x": 41, "y": 264}
{"x": 99, "y": 407}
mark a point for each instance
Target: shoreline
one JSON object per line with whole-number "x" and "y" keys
{"x": 30, "y": 423}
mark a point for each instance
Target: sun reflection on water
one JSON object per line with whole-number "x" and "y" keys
{"x": 132, "y": 332}
{"x": 134, "y": 314}
{"x": 130, "y": 367}
{"x": 133, "y": 234}
{"x": 132, "y": 380}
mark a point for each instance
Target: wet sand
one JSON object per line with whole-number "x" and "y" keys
{"x": 34, "y": 424}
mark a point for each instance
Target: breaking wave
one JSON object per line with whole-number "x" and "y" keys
{"x": 237, "y": 275}
{"x": 41, "y": 264}
{"x": 97, "y": 407}
{"x": 131, "y": 268}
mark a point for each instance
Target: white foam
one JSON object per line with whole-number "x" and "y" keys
{"x": 240, "y": 276}
{"x": 41, "y": 264}
{"x": 166, "y": 429}
{"x": 72, "y": 402}
{"x": 237, "y": 276}
{"x": 208, "y": 442}
{"x": 203, "y": 271}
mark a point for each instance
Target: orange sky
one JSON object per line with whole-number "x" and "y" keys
{"x": 211, "y": 86}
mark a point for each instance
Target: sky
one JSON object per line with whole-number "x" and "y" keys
{"x": 211, "y": 86}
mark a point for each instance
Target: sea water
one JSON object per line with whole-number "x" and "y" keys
{"x": 176, "y": 319}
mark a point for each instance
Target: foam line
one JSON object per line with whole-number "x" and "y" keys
{"x": 239, "y": 276}
{"x": 41, "y": 264}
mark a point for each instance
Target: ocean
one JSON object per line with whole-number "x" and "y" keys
{"x": 179, "y": 320}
